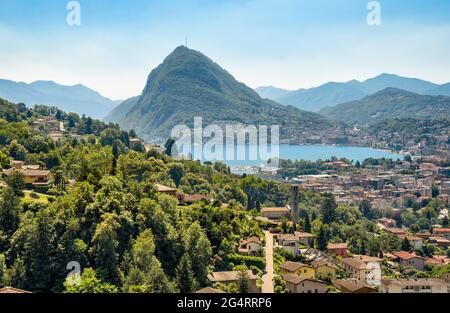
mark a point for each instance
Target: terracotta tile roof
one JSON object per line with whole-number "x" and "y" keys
{"x": 331, "y": 246}
{"x": 209, "y": 290}
{"x": 303, "y": 234}
{"x": 441, "y": 230}
{"x": 351, "y": 285}
{"x": 413, "y": 238}
{"x": 397, "y": 231}
{"x": 322, "y": 262}
{"x": 367, "y": 258}
{"x": 406, "y": 255}
{"x": 404, "y": 282}
{"x": 292, "y": 266}
{"x": 27, "y": 172}
{"x": 295, "y": 279}
{"x": 194, "y": 198}
{"x": 354, "y": 263}
{"x": 162, "y": 188}
{"x": 251, "y": 239}
{"x": 438, "y": 239}
{"x": 279, "y": 209}
{"x": 12, "y": 290}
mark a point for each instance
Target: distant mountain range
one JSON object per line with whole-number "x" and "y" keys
{"x": 189, "y": 84}
{"x": 387, "y": 104}
{"x": 78, "y": 99}
{"x": 331, "y": 94}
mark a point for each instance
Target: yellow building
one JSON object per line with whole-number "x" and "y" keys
{"x": 302, "y": 270}
{"x": 324, "y": 268}
{"x": 32, "y": 174}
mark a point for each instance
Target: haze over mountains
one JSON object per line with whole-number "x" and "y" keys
{"x": 387, "y": 104}
{"x": 189, "y": 84}
{"x": 78, "y": 99}
{"x": 333, "y": 93}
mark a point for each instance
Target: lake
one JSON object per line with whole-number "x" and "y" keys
{"x": 242, "y": 153}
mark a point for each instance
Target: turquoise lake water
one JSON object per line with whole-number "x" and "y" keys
{"x": 242, "y": 153}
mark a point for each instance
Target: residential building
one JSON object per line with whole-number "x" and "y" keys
{"x": 233, "y": 277}
{"x": 353, "y": 285}
{"x": 362, "y": 270}
{"x": 410, "y": 259}
{"x": 250, "y": 246}
{"x": 275, "y": 213}
{"x": 299, "y": 269}
{"x": 415, "y": 241}
{"x": 33, "y": 175}
{"x": 297, "y": 284}
{"x": 12, "y": 290}
{"x": 337, "y": 249}
{"x": 166, "y": 190}
{"x": 440, "y": 241}
{"x": 209, "y": 290}
{"x": 413, "y": 285}
{"x": 444, "y": 232}
{"x": 324, "y": 268}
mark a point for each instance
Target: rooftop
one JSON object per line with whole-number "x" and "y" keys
{"x": 295, "y": 279}
{"x": 337, "y": 246}
{"x": 407, "y": 282}
{"x": 12, "y": 290}
{"x": 279, "y": 209}
{"x": 229, "y": 276}
{"x": 292, "y": 266}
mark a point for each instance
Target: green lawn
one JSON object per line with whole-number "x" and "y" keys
{"x": 42, "y": 198}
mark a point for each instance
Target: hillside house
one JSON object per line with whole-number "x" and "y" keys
{"x": 410, "y": 259}
{"x": 297, "y": 268}
{"x": 337, "y": 249}
{"x": 250, "y": 246}
{"x": 233, "y": 277}
{"x": 296, "y": 284}
{"x": 413, "y": 285}
{"x": 444, "y": 232}
{"x": 33, "y": 175}
{"x": 353, "y": 285}
{"x": 324, "y": 268}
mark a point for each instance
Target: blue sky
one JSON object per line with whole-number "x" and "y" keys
{"x": 286, "y": 43}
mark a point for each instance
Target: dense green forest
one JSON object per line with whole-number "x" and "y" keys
{"x": 111, "y": 219}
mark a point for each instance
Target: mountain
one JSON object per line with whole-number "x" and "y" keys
{"x": 443, "y": 90}
{"x": 272, "y": 93}
{"x": 384, "y": 81}
{"x": 189, "y": 84}
{"x": 389, "y": 103}
{"x": 331, "y": 94}
{"x": 78, "y": 99}
{"x": 326, "y": 95}
{"x": 121, "y": 110}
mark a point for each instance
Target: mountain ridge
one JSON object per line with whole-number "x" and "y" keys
{"x": 76, "y": 98}
{"x": 388, "y": 103}
{"x": 315, "y": 98}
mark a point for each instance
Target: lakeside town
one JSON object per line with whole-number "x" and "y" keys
{"x": 294, "y": 248}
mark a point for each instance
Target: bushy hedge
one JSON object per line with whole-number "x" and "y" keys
{"x": 248, "y": 260}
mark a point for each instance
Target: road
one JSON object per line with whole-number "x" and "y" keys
{"x": 267, "y": 286}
